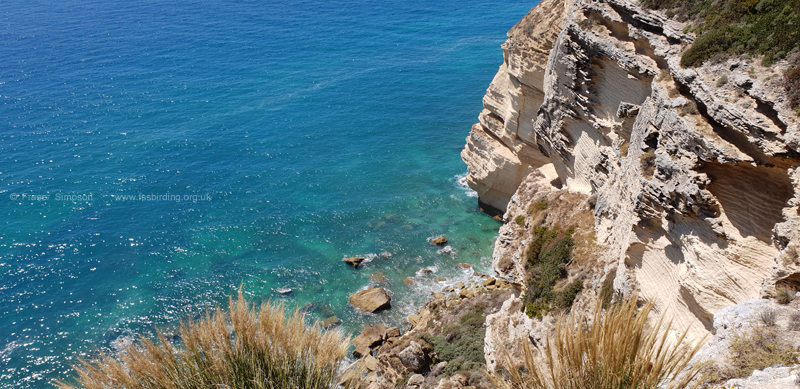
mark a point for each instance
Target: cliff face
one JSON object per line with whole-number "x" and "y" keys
{"x": 692, "y": 174}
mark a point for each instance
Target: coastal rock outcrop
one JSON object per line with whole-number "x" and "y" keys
{"x": 693, "y": 183}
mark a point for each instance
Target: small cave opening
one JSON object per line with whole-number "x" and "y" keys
{"x": 752, "y": 197}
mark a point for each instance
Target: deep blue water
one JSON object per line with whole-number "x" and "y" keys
{"x": 280, "y": 137}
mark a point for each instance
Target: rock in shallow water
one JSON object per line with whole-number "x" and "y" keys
{"x": 371, "y": 300}
{"x": 353, "y": 261}
{"x": 440, "y": 241}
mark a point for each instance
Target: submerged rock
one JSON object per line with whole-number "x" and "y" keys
{"x": 378, "y": 277}
{"x": 330, "y": 322}
{"x": 371, "y": 300}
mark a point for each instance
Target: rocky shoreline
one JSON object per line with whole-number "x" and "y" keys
{"x": 679, "y": 185}
{"x": 417, "y": 356}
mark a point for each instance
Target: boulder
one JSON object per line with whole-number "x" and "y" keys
{"x": 371, "y": 300}
{"x": 490, "y": 281}
{"x": 465, "y": 265}
{"x": 353, "y": 261}
{"x": 416, "y": 380}
{"x": 413, "y": 319}
{"x": 408, "y": 281}
{"x": 392, "y": 332}
{"x": 370, "y": 363}
{"x": 414, "y": 357}
{"x": 361, "y": 351}
{"x": 440, "y": 241}
{"x": 371, "y": 336}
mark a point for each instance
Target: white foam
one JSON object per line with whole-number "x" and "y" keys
{"x": 447, "y": 250}
{"x": 123, "y": 341}
{"x": 461, "y": 183}
{"x": 5, "y": 353}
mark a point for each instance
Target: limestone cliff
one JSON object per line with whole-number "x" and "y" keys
{"x": 692, "y": 179}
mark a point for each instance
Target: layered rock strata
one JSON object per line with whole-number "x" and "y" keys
{"x": 694, "y": 182}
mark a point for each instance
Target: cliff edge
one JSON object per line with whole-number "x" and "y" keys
{"x": 691, "y": 174}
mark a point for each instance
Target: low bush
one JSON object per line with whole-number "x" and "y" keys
{"x": 618, "y": 350}
{"x": 241, "y": 348}
{"x": 768, "y": 317}
{"x": 758, "y": 349}
{"x": 566, "y": 296}
{"x": 607, "y": 290}
{"x": 537, "y": 206}
{"x": 784, "y": 296}
{"x": 520, "y": 220}
{"x": 461, "y": 345}
{"x": 768, "y": 27}
{"x": 794, "y": 322}
{"x": 547, "y": 256}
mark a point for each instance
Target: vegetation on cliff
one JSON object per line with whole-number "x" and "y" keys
{"x": 547, "y": 256}
{"x": 238, "y": 349}
{"x": 767, "y": 27}
{"x": 617, "y": 350}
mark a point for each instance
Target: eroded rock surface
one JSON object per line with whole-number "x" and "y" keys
{"x": 694, "y": 184}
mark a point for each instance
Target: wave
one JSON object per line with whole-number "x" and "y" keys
{"x": 461, "y": 183}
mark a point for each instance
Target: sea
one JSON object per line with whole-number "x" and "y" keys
{"x": 158, "y": 156}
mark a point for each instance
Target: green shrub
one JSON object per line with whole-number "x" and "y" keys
{"x": 768, "y": 27}
{"x": 536, "y": 309}
{"x": 241, "y": 348}
{"x": 474, "y": 319}
{"x": 520, "y": 220}
{"x": 548, "y": 252}
{"x": 566, "y": 296}
{"x": 537, "y": 206}
{"x": 461, "y": 345}
{"x": 722, "y": 81}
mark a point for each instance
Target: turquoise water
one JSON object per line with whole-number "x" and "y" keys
{"x": 154, "y": 156}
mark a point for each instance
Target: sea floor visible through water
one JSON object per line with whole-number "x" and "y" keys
{"x": 157, "y": 156}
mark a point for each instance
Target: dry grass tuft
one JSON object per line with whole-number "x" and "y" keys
{"x": 238, "y": 349}
{"x": 617, "y": 351}
{"x": 757, "y": 349}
